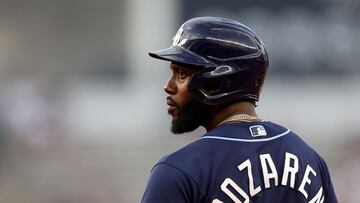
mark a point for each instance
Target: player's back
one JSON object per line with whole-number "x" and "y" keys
{"x": 244, "y": 162}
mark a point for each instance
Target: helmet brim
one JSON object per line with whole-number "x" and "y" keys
{"x": 180, "y": 55}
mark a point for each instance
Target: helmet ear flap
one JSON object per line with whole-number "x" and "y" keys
{"x": 219, "y": 80}
{"x": 208, "y": 85}
{"x": 217, "y": 86}
{"x": 226, "y": 83}
{"x": 212, "y": 87}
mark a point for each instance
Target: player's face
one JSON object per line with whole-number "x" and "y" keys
{"x": 177, "y": 88}
{"x": 187, "y": 113}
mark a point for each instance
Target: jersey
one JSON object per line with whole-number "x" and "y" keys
{"x": 248, "y": 162}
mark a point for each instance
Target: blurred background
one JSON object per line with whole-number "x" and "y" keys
{"x": 83, "y": 115}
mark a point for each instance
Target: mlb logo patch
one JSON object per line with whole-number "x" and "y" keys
{"x": 257, "y": 130}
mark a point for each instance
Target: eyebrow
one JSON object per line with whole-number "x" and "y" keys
{"x": 182, "y": 67}
{"x": 175, "y": 66}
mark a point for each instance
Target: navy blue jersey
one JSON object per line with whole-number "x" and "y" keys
{"x": 257, "y": 162}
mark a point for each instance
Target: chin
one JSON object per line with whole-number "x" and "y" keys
{"x": 179, "y": 126}
{"x": 188, "y": 117}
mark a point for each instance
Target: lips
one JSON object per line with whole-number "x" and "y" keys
{"x": 170, "y": 102}
{"x": 171, "y": 105}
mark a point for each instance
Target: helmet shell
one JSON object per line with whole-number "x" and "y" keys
{"x": 231, "y": 58}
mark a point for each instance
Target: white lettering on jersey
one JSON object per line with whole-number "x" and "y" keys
{"x": 234, "y": 198}
{"x": 247, "y": 164}
{"x": 306, "y": 180}
{"x": 291, "y": 168}
{"x": 266, "y": 162}
{"x": 288, "y": 169}
{"x": 319, "y": 197}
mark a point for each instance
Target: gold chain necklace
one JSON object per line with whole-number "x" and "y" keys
{"x": 241, "y": 118}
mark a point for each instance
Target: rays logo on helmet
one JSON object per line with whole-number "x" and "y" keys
{"x": 177, "y": 37}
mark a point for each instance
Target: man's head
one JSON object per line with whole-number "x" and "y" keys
{"x": 188, "y": 113}
{"x": 225, "y": 61}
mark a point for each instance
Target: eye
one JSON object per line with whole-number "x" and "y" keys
{"x": 181, "y": 74}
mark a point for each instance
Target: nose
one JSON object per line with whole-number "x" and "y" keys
{"x": 170, "y": 86}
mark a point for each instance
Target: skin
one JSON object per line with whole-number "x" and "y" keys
{"x": 177, "y": 89}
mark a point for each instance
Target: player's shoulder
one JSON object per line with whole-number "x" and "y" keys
{"x": 307, "y": 154}
{"x": 248, "y": 132}
{"x": 187, "y": 153}
{"x": 203, "y": 149}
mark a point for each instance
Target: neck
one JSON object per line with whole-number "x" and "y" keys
{"x": 230, "y": 110}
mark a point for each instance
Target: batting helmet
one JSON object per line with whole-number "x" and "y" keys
{"x": 231, "y": 58}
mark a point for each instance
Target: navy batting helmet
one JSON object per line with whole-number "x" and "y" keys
{"x": 231, "y": 58}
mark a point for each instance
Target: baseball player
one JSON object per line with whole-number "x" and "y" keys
{"x": 218, "y": 68}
